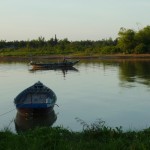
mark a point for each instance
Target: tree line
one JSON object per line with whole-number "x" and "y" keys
{"x": 128, "y": 41}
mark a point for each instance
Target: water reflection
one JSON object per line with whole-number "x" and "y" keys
{"x": 64, "y": 70}
{"x": 24, "y": 122}
{"x": 98, "y": 80}
{"x": 136, "y": 71}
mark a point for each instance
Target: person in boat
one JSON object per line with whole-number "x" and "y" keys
{"x": 64, "y": 60}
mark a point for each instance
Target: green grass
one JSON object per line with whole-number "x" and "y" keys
{"x": 42, "y": 51}
{"x": 95, "y": 136}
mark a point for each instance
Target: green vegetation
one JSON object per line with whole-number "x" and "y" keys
{"x": 53, "y": 47}
{"x": 95, "y": 136}
{"x": 130, "y": 41}
{"x": 127, "y": 42}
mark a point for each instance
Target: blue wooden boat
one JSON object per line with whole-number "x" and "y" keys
{"x": 37, "y": 98}
{"x": 64, "y": 64}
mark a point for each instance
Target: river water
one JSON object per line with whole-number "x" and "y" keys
{"x": 115, "y": 91}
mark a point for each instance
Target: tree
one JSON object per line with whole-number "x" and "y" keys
{"x": 126, "y": 40}
{"x": 41, "y": 41}
{"x": 143, "y": 38}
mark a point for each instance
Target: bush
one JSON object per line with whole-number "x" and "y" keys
{"x": 110, "y": 50}
{"x": 139, "y": 49}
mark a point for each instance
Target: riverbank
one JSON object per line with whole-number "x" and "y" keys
{"x": 51, "y": 57}
{"x": 96, "y": 137}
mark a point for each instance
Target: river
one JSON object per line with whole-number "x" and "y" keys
{"x": 115, "y": 91}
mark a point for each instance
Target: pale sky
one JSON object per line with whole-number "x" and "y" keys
{"x": 72, "y": 19}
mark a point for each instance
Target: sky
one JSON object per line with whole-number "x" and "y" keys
{"x": 73, "y": 19}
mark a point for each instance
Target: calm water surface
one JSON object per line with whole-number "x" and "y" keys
{"x": 117, "y": 92}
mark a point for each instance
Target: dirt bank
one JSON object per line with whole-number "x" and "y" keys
{"x": 114, "y": 56}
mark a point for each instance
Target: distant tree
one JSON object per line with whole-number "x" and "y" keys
{"x": 143, "y": 38}
{"x": 63, "y": 44}
{"x": 41, "y": 41}
{"x": 126, "y": 40}
{"x": 2, "y": 43}
{"x": 55, "y": 40}
{"x": 140, "y": 48}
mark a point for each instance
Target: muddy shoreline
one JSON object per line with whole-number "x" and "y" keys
{"x": 100, "y": 57}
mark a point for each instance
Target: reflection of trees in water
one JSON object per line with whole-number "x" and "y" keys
{"x": 135, "y": 71}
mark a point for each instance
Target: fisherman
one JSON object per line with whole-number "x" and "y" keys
{"x": 64, "y": 60}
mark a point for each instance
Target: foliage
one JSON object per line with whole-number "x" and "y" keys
{"x": 127, "y": 42}
{"x": 139, "y": 49}
{"x": 110, "y": 50}
{"x": 94, "y": 136}
{"x": 130, "y": 41}
{"x": 54, "y": 46}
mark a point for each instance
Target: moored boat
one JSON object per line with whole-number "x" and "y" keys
{"x": 64, "y": 64}
{"x": 37, "y": 98}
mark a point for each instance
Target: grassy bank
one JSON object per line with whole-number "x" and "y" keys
{"x": 37, "y": 53}
{"x": 74, "y": 56}
{"x": 96, "y": 137}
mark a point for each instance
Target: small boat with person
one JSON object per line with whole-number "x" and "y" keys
{"x": 64, "y": 64}
{"x": 36, "y": 99}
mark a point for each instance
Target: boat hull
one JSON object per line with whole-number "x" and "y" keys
{"x": 34, "y": 111}
{"x": 54, "y": 65}
{"x": 35, "y": 99}
{"x": 34, "y": 108}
